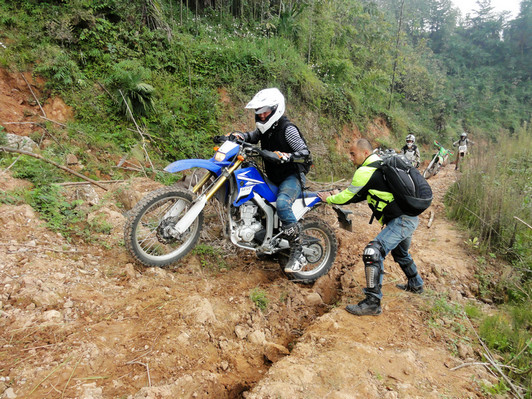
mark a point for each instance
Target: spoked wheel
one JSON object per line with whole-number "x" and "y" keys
{"x": 430, "y": 171}
{"x": 319, "y": 247}
{"x": 146, "y": 233}
{"x": 437, "y": 168}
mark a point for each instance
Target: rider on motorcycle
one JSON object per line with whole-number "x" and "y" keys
{"x": 411, "y": 151}
{"x": 463, "y": 143}
{"x": 277, "y": 134}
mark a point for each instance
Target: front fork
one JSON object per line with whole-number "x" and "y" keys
{"x": 189, "y": 217}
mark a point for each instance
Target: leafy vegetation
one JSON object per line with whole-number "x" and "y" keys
{"x": 210, "y": 257}
{"x": 493, "y": 199}
{"x": 259, "y": 298}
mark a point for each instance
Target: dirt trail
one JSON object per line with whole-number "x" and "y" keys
{"x": 81, "y": 321}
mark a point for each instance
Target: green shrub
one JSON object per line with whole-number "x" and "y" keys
{"x": 210, "y": 257}
{"x": 509, "y": 332}
{"x": 56, "y": 65}
{"x": 60, "y": 215}
{"x": 259, "y": 298}
{"x": 132, "y": 93}
{"x": 40, "y": 173}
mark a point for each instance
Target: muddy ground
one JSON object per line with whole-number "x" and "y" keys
{"x": 82, "y": 321}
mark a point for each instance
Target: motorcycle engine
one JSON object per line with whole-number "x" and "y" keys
{"x": 248, "y": 224}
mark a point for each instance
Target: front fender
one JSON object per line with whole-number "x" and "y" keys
{"x": 185, "y": 164}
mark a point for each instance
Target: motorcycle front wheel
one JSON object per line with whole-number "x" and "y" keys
{"x": 430, "y": 169}
{"x": 319, "y": 247}
{"x": 146, "y": 235}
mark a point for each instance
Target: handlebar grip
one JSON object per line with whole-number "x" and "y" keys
{"x": 219, "y": 139}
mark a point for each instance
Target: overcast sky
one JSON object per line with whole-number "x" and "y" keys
{"x": 466, "y": 6}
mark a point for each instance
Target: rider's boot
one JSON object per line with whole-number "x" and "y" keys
{"x": 415, "y": 282}
{"x": 297, "y": 260}
{"x": 371, "y": 306}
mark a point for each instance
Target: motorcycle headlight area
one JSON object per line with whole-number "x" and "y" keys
{"x": 225, "y": 151}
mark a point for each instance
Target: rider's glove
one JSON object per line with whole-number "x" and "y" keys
{"x": 237, "y": 135}
{"x": 283, "y": 156}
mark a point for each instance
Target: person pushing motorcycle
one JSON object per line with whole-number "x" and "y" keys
{"x": 463, "y": 144}
{"x": 411, "y": 150}
{"x": 287, "y": 170}
{"x": 368, "y": 184}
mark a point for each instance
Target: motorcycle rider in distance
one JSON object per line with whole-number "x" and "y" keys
{"x": 277, "y": 134}
{"x": 411, "y": 151}
{"x": 463, "y": 143}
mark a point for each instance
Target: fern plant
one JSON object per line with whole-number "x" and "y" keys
{"x": 132, "y": 93}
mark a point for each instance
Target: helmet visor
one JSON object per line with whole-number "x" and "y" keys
{"x": 263, "y": 110}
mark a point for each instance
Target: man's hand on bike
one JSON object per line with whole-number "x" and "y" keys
{"x": 283, "y": 156}
{"x": 237, "y": 135}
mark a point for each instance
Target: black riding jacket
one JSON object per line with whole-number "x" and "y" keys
{"x": 274, "y": 139}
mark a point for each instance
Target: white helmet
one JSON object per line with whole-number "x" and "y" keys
{"x": 463, "y": 135}
{"x": 267, "y": 99}
{"x": 410, "y": 140}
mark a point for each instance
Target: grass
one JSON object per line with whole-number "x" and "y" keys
{"x": 210, "y": 257}
{"x": 259, "y": 298}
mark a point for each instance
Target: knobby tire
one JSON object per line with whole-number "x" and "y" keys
{"x": 323, "y": 253}
{"x": 142, "y": 237}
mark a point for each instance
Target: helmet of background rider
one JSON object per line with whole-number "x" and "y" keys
{"x": 463, "y": 135}
{"x": 410, "y": 140}
{"x": 268, "y": 99}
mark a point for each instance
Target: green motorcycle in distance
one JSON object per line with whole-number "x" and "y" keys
{"x": 438, "y": 160}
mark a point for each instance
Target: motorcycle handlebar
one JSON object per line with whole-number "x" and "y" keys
{"x": 249, "y": 148}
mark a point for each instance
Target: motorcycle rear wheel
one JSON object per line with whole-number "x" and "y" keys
{"x": 144, "y": 237}
{"x": 320, "y": 251}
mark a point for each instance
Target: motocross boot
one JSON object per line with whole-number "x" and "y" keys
{"x": 414, "y": 283}
{"x": 371, "y": 306}
{"x": 297, "y": 260}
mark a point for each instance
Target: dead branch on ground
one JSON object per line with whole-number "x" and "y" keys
{"x": 81, "y": 183}
{"x": 34, "y": 96}
{"x": 138, "y": 130}
{"x": 522, "y": 221}
{"x": 31, "y": 154}
{"x": 431, "y": 219}
{"x": 516, "y": 390}
{"x": 10, "y": 166}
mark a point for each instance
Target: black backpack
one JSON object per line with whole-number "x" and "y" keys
{"x": 409, "y": 188}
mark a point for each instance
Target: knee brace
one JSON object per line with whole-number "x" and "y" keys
{"x": 372, "y": 258}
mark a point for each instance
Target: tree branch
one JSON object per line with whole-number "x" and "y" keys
{"x": 31, "y": 154}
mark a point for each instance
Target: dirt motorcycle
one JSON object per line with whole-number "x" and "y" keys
{"x": 462, "y": 151}
{"x": 438, "y": 160}
{"x": 165, "y": 225}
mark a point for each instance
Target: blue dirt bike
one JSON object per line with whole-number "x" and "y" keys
{"x": 166, "y": 224}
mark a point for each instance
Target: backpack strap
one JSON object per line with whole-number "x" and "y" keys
{"x": 377, "y": 165}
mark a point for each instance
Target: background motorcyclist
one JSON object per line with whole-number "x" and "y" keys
{"x": 287, "y": 168}
{"x": 463, "y": 143}
{"x": 411, "y": 151}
